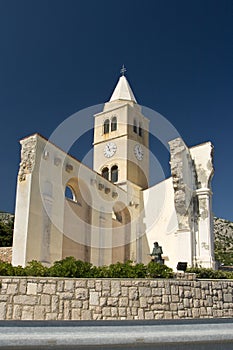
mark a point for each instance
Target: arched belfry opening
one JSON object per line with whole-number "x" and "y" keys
{"x": 121, "y": 233}
{"x": 105, "y": 173}
{"x": 114, "y": 173}
{"x": 106, "y": 126}
{"x": 114, "y": 123}
{"x": 77, "y": 220}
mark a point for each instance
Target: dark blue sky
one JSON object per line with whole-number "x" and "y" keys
{"x": 59, "y": 56}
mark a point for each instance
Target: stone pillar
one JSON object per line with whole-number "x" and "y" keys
{"x": 204, "y": 238}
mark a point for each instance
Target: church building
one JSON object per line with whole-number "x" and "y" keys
{"x": 110, "y": 213}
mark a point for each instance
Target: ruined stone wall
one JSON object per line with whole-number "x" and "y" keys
{"x": 104, "y": 299}
{"x": 6, "y": 254}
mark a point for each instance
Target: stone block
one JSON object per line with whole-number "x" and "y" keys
{"x": 55, "y": 303}
{"x": 85, "y": 304}
{"x": 12, "y": 288}
{"x": 182, "y": 313}
{"x": 103, "y": 301}
{"x": 112, "y": 301}
{"x": 165, "y": 299}
{"x": 98, "y": 310}
{"x": 227, "y": 298}
{"x": 123, "y": 301}
{"x": 49, "y": 288}
{"x": 149, "y": 315}
{"x": 9, "y": 312}
{"x": 168, "y": 315}
{"x": 17, "y": 312}
{"x": 2, "y": 311}
{"x": 197, "y": 293}
{"x": 126, "y": 283}
{"x": 124, "y": 291}
{"x": 143, "y": 301}
{"x": 81, "y": 293}
{"x": 114, "y": 312}
{"x": 175, "y": 298}
{"x": 94, "y": 298}
{"x": 174, "y": 289}
{"x": 140, "y": 314}
{"x": 188, "y": 294}
{"x": 31, "y": 288}
{"x": 115, "y": 288}
{"x": 22, "y": 286}
{"x": 4, "y": 298}
{"x": 106, "y": 285}
{"x": 69, "y": 286}
{"x": 186, "y": 303}
{"x": 45, "y": 299}
{"x": 209, "y": 301}
{"x": 159, "y": 315}
{"x": 60, "y": 286}
{"x": 81, "y": 283}
{"x": 196, "y": 303}
{"x": 86, "y": 315}
{"x": 39, "y": 312}
{"x": 27, "y": 313}
{"x": 25, "y": 300}
{"x": 133, "y": 293}
{"x": 91, "y": 284}
{"x": 51, "y": 316}
{"x": 98, "y": 286}
{"x": 76, "y": 314}
{"x": 153, "y": 284}
{"x": 145, "y": 291}
{"x": 203, "y": 311}
{"x": 76, "y": 304}
{"x": 122, "y": 311}
{"x": 157, "y": 300}
{"x": 173, "y": 307}
{"x": 106, "y": 311}
{"x": 67, "y": 310}
{"x": 157, "y": 292}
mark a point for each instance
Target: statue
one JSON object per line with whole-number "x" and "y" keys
{"x": 157, "y": 253}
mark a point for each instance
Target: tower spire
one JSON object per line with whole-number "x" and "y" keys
{"x": 123, "y": 90}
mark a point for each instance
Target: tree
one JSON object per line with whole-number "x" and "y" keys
{"x": 6, "y": 233}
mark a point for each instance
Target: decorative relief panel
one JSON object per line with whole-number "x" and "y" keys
{"x": 183, "y": 177}
{"x": 28, "y": 156}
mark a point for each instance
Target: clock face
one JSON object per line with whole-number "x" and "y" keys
{"x": 138, "y": 151}
{"x": 110, "y": 149}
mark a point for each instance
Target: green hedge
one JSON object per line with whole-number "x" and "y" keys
{"x": 70, "y": 267}
{"x": 210, "y": 274}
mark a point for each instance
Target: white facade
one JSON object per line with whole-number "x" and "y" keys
{"x": 113, "y": 214}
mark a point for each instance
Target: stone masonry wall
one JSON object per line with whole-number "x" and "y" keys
{"x": 34, "y": 298}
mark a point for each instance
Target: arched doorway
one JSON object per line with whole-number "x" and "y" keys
{"x": 121, "y": 233}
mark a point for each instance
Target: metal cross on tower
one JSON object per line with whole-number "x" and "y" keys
{"x": 123, "y": 70}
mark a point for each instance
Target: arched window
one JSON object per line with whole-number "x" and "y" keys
{"x": 70, "y": 194}
{"x": 135, "y": 128}
{"x": 105, "y": 173}
{"x": 140, "y": 129}
{"x": 106, "y": 126}
{"x": 114, "y": 173}
{"x": 114, "y": 124}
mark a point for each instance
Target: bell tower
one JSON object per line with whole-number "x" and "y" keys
{"x": 121, "y": 139}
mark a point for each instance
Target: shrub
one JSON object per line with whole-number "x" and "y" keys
{"x": 210, "y": 274}
{"x": 155, "y": 270}
{"x": 6, "y": 269}
{"x": 35, "y": 268}
{"x": 70, "y": 267}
